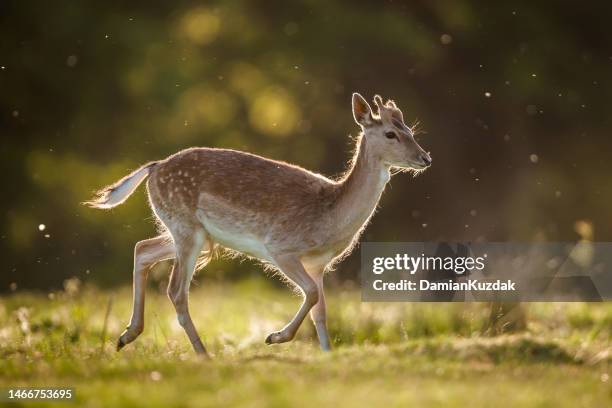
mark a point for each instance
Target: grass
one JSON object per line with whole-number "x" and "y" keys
{"x": 386, "y": 354}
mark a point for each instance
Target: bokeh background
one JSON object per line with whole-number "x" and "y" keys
{"x": 513, "y": 99}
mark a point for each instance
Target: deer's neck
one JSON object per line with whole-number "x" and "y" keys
{"x": 359, "y": 191}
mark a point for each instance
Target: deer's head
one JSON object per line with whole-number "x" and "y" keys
{"x": 387, "y": 136}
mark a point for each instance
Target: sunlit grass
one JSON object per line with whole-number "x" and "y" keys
{"x": 390, "y": 354}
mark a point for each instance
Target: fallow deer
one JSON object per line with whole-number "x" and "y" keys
{"x": 296, "y": 221}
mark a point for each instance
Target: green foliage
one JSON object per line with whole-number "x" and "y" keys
{"x": 513, "y": 97}
{"x": 514, "y": 100}
{"x": 393, "y": 354}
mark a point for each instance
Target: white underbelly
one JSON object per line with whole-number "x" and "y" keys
{"x": 233, "y": 237}
{"x": 317, "y": 262}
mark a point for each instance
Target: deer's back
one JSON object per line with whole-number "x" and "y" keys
{"x": 230, "y": 185}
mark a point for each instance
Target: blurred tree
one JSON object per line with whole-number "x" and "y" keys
{"x": 514, "y": 98}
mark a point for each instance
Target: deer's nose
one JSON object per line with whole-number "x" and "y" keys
{"x": 426, "y": 159}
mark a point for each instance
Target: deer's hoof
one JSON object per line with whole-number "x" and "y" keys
{"x": 120, "y": 343}
{"x": 124, "y": 339}
{"x": 278, "y": 337}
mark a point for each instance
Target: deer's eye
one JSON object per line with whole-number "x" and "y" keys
{"x": 391, "y": 135}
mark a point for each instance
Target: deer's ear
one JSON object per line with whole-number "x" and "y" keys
{"x": 361, "y": 110}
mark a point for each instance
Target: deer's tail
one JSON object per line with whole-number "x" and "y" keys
{"x": 115, "y": 194}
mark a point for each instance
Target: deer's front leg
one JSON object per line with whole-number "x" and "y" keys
{"x": 293, "y": 269}
{"x": 319, "y": 314}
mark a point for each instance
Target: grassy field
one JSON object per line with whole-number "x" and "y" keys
{"x": 386, "y": 354}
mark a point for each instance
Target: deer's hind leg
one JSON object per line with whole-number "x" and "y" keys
{"x": 146, "y": 254}
{"x": 189, "y": 241}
